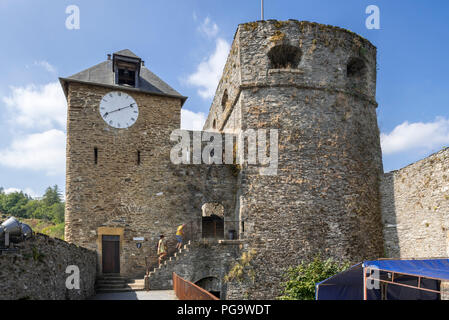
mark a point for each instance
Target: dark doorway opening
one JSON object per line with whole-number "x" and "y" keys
{"x": 111, "y": 254}
{"x": 213, "y": 227}
{"x": 211, "y": 284}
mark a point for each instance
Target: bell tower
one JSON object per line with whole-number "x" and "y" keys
{"x": 119, "y": 120}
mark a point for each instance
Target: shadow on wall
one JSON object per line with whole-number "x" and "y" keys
{"x": 38, "y": 270}
{"x": 211, "y": 284}
{"x": 389, "y": 218}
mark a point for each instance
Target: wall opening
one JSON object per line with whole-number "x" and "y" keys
{"x": 126, "y": 76}
{"x": 284, "y": 56}
{"x": 96, "y": 155}
{"x": 224, "y": 100}
{"x": 211, "y": 284}
{"x": 213, "y": 227}
{"x": 138, "y": 157}
{"x": 212, "y": 221}
{"x": 356, "y": 72}
{"x": 356, "y": 68}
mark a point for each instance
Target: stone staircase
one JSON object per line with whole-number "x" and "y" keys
{"x": 109, "y": 283}
{"x": 161, "y": 277}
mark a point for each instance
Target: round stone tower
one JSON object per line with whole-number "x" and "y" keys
{"x": 316, "y": 85}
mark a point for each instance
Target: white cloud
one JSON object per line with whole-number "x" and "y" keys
{"x": 208, "y": 28}
{"x": 191, "y": 120}
{"x": 416, "y": 136}
{"x": 208, "y": 72}
{"x": 39, "y": 151}
{"x": 27, "y": 191}
{"x": 47, "y": 66}
{"x": 41, "y": 107}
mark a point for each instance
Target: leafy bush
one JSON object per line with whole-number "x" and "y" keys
{"x": 55, "y": 231}
{"x": 301, "y": 280}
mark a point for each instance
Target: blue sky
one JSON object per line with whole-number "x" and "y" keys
{"x": 186, "y": 43}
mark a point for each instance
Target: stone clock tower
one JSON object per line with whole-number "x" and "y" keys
{"x": 120, "y": 116}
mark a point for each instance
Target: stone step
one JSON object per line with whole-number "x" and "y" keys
{"x": 112, "y": 290}
{"x": 137, "y": 286}
{"x": 135, "y": 281}
{"x": 112, "y": 285}
{"x": 111, "y": 281}
{"x": 161, "y": 271}
{"x": 110, "y": 277}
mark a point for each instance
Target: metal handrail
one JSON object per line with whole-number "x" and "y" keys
{"x": 186, "y": 290}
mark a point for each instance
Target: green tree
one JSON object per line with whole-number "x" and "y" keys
{"x": 52, "y": 196}
{"x": 20, "y": 205}
{"x": 13, "y": 204}
{"x": 56, "y": 211}
{"x": 301, "y": 280}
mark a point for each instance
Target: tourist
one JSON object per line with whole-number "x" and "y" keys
{"x": 179, "y": 235}
{"x": 161, "y": 249}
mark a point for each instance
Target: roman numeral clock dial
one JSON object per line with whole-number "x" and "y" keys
{"x": 119, "y": 110}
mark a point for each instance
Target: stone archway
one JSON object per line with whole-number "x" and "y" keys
{"x": 211, "y": 284}
{"x": 212, "y": 221}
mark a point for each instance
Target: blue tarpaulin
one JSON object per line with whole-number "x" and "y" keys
{"x": 348, "y": 285}
{"x": 430, "y": 268}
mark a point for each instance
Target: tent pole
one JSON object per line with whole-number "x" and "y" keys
{"x": 364, "y": 283}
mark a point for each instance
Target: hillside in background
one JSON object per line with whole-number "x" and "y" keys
{"x": 44, "y": 215}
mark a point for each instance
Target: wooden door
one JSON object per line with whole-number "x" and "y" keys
{"x": 111, "y": 254}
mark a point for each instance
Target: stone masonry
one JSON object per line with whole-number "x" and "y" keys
{"x": 37, "y": 271}
{"x": 325, "y": 197}
{"x": 315, "y": 85}
{"x": 415, "y": 209}
{"x": 117, "y": 196}
{"x": 211, "y": 261}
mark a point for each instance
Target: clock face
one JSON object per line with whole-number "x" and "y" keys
{"x": 119, "y": 110}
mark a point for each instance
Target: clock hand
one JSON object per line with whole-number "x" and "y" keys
{"x": 119, "y": 109}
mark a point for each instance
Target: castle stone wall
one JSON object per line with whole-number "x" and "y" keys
{"x": 119, "y": 197}
{"x": 37, "y": 271}
{"x": 325, "y": 196}
{"x": 415, "y": 209}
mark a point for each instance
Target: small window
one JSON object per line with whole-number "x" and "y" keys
{"x": 356, "y": 68}
{"x": 284, "y": 57}
{"x": 138, "y": 158}
{"x": 356, "y": 73}
{"x": 214, "y": 124}
{"x": 96, "y": 155}
{"x": 224, "y": 100}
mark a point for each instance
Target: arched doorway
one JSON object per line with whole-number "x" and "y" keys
{"x": 212, "y": 221}
{"x": 211, "y": 284}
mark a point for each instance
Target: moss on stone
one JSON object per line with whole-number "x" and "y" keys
{"x": 277, "y": 37}
{"x": 250, "y": 26}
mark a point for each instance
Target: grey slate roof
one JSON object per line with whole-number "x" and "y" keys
{"x": 127, "y": 53}
{"x": 102, "y": 74}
